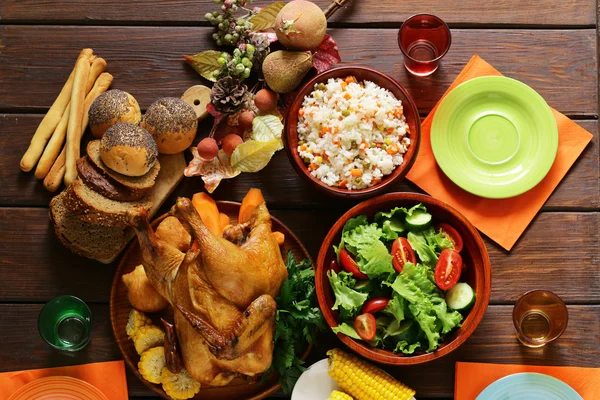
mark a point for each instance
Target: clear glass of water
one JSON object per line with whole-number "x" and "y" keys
{"x": 65, "y": 323}
{"x": 540, "y": 317}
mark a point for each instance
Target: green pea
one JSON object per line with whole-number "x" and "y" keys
{"x": 346, "y": 113}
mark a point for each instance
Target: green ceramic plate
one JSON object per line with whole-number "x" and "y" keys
{"x": 494, "y": 137}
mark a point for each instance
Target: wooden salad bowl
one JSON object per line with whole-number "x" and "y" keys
{"x": 477, "y": 274}
{"x": 239, "y": 388}
{"x": 361, "y": 74}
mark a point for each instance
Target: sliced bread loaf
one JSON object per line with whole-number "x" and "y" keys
{"x": 140, "y": 183}
{"x": 94, "y": 208}
{"x": 89, "y": 240}
{"x": 104, "y": 184}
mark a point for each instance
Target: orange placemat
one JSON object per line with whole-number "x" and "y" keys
{"x": 472, "y": 378}
{"x": 108, "y": 377}
{"x": 502, "y": 220}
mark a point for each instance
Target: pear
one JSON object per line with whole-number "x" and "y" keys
{"x": 284, "y": 70}
{"x": 300, "y": 25}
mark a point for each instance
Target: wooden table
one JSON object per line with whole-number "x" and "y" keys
{"x": 548, "y": 44}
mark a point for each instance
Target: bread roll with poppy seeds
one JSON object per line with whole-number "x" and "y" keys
{"x": 173, "y": 124}
{"x": 110, "y": 108}
{"x": 128, "y": 149}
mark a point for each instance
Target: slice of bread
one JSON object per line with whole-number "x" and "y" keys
{"x": 140, "y": 183}
{"x": 92, "y": 207}
{"x": 88, "y": 240}
{"x": 104, "y": 184}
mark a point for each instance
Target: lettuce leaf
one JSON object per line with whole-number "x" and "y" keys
{"x": 427, "y": 304}
{"x": 363, "y": 241}
{"x": 345, "y": 297}
{"x": 349, "y": 226}
{"x": 396, "y": 307}
{"x": 375, "y": 259}
{"x": 347, "y": 330}
{"x": 438, "y": 241}
{"x": 406, "y": 348}
{"x": 425, "y": 252}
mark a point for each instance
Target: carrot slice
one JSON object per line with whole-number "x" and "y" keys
{"x": 207, "y": 208}
{"x": 280, "y": 237}
{"x": 252, "y": 199}
{"x": 223, "y": 221}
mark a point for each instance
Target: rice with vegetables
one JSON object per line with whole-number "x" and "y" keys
{"x": 351, "y": 134}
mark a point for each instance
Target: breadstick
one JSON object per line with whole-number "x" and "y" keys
{"x": 56, "y": 141}
{"x": 57, "y": 172}
{"x": 82, "y": 71}
{"x": 51, "y": 119}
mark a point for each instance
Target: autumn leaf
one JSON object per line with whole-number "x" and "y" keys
{"x": 212, "y": 171}
{"x": 266, "y": 17}
{"x": 326, "y": 55}
{"x": 205, "y": 63}
{"x": 266, "y": 128}
{"x": 252, "y": 155}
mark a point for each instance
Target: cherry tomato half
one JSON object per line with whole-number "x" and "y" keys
{"x": 403, "y": 253}
{"x": 451, "y": 234}
{"x": 448, "y": 269}
{"x": 375, "y": 305}
{"x": 350, "y": 265}
{"x": 366, "y": 326}
{"x": 335, "y": 266}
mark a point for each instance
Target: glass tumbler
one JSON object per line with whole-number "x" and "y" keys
{"x": 540, "y": 317}
{"x": 423, "y": 39}
{"x": 65, "y": 323}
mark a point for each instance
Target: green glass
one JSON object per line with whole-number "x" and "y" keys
{"x": 65, "y": 323}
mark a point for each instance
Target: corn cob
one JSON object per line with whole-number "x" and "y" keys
{"x": 337, "y": 395}
{"x": 364, "y": 381}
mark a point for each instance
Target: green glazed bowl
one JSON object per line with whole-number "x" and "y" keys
{"x": 494, "y": 137}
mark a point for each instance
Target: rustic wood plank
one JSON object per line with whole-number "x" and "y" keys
{"x": 509, "y": 12}
{"x": 280, "y": 183}
{"x": 34, "y": 266}
{"x": 493, "y": 342}
{"x": 146, "y": 61}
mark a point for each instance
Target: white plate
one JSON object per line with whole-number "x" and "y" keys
{"x": 315, "y": 383}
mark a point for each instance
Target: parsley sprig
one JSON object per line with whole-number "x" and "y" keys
{"x": 297, "y": 322}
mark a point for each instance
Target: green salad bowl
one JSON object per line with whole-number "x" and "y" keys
{"x": 476, "y": 272}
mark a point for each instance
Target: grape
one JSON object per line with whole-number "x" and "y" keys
{"x": 221, "y": 61}
{"x": 228, "y": 37}
{"x": 220, "y": 18}
{"x": 240, "y": 68}
{"x": 215, "y": 14}
{"x": 215, "y": 36}
{"x": 250, "y": 49}
{"x": 237, "y": 52}
{"x": 219, "y": 42}
{"x": 221, "y": 26}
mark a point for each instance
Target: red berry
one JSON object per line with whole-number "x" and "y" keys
{"x": 207, "y": 148}
{"x": 265, "y": 100}
{"x": 230, "y": 142}
{"x": 245, "y": 120}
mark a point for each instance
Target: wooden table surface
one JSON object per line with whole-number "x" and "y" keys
{"x": 550, "y": 45}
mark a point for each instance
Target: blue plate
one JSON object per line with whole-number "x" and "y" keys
{"x": 529, "y": 386}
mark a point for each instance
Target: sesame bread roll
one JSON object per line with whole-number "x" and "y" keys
{"x": 172, "y": 122}
{"x": 110, "y": 108}
{"x": 128, "y": 149}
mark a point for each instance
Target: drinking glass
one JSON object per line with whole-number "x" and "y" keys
{"x": 423, "y": 39}
{"x": 540, "y": 317}
{"x": 65, "y": 323}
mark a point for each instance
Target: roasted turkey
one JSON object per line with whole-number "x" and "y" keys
{"x": 222, "y": 291}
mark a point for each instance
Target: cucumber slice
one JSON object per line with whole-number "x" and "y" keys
{"x": 460, "y": 297}
{"x": 419, "y": 220}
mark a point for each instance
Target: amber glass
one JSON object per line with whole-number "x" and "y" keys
{"x": 540, "y": 317}
{"x": 423, "y": 39}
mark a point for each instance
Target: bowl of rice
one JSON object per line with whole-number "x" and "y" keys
{"x": 352, "y": 132}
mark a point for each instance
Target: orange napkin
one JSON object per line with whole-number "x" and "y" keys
{"x": 108, "y": 377}
{"x": 472, "y": 378}
{"x": 503, "y": 220}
